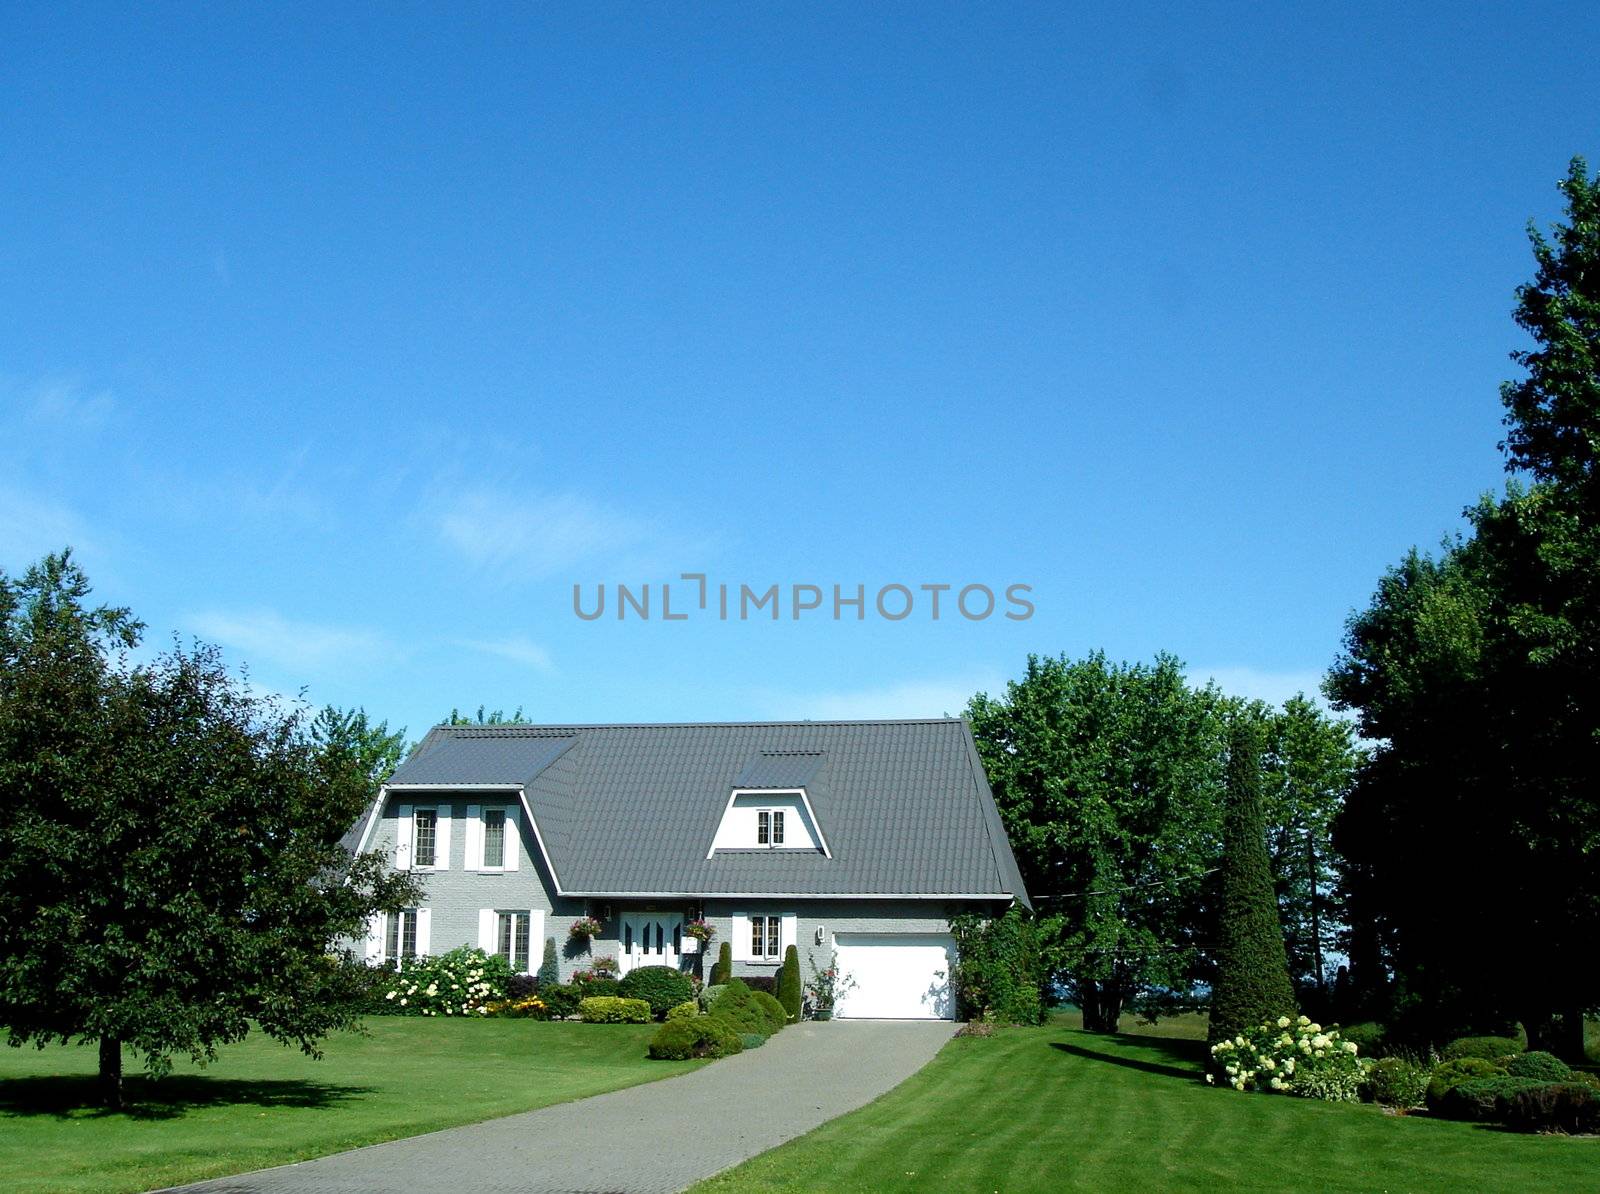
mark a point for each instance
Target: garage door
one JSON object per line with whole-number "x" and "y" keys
{"x": 897, "y": 977}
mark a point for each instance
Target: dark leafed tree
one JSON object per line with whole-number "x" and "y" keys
{"x": 1252, "y": 984}
{"x": 1476, "y": 674}
{"x": 170, "y": 863}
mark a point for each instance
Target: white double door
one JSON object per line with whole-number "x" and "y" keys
{"x": 650, "y": 939}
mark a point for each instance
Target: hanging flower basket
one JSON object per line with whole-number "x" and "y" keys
{"x": 699, "y": 930}
{"x": 584, "y": 928}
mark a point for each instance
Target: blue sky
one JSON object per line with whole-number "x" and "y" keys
{"x": 352, "y": 342}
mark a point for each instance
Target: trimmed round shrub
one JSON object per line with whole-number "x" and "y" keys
{"x": 710, "y": 995}
{"x": 737, "y": 1005}
{"x": 1477, "y": 1098}
{"x": 701, "y": 1036}
{"x": 776, "y": 1014}
{"x": 1546, "y": 1067}
{"x": 662, "y": 987}
{"x": 1490, "y": 1048}
{"x": 612, "y": 1009}
{"x": 1448, "y": 1075}
{"x": 561, "y": 1000}
{"x": 684, "y": 1011}
{"x": 1397, "y": 1082}
{"x": 1571, "y": 1107}
{"x": 1368, "y": 1035}
{"x": 752, "y": 1040}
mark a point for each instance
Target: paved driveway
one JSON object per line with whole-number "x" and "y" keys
{"x": 662, "y": 1136}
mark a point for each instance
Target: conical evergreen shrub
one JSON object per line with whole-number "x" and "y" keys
{"x": 549, "y": 969}
{"x": 723, "y": 970}
{"x": 1252, "y": 984}
{"x": 789, "y": 983}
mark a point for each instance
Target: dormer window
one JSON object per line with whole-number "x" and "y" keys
{"x": 773, "y": 819}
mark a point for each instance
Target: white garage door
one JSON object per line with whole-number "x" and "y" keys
{"x": 897, "y": 977}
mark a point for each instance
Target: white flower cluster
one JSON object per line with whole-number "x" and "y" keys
{"x": 442, "y": 986}
{"x": 1292, "y": 1055}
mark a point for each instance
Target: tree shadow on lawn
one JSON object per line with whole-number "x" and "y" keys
{"x": 1179, "y": 1050}
{"x": 74, "y": 1096}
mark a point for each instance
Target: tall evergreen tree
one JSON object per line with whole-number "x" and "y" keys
{"x": 1252, "y": 984}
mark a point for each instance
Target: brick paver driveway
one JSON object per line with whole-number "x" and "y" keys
{"x": 662, "y": 1136}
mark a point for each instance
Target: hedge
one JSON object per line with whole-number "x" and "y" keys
{"x": 612, "y": 1009}
{"x": 1489, "y": 1048}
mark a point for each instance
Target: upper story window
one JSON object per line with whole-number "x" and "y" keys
{"x": 769, "y": 827}
{"x": 425, "y": 837}
{"x": 768, "y": 820}
{"x": 494, "y": 837}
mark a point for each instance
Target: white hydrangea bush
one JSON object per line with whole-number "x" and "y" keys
{"x": 460, "y": 983}
{"x": 1292, "y": 1056}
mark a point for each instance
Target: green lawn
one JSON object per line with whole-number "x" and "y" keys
{"x": 1057, "y": 1108}
{"x": 262, "y": 1104}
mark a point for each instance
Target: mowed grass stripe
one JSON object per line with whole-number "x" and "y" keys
{"x": 1039, "y": 1110}
{"x": 263, "y": 1105}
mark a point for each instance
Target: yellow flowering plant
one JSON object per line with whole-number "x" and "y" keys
{"x": 1291, "y": 1055}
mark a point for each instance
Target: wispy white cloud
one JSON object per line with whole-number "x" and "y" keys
{"x": 530, "y": 536}
{"x": 67, "y": 402}
{"x": 1259, "y": 684}
{"x": 32, "y": 526}
{"x": 265, "y": 636}
{"x": 933, "y": 697}
{"x": 516, "y": 648}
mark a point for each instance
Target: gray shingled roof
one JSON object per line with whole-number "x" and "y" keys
{"x": 904, "y": 805}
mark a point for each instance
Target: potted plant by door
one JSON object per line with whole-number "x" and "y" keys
{"x": 825, "y": 986}
{"x": 584, "y": 928}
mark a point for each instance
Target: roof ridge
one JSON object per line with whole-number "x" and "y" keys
{"x": 557, "y": 727}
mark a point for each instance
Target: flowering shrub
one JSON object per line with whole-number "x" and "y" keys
{"x": 604, "y": 967}
{"x": 826, "y": 984}
{"x": 530, "y": 1008}
{"x": 584, "y": 928}
{"x": 1295, "y": 1056}
{"x": 459, "y": 983}
{"x": 700, "y": 930}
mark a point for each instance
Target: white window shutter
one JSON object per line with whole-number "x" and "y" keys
{"x": 474, "y": 839}
{"x": 424, "y": 932}
{"x": 513, "y": 855}
{"x": 375, "y": 927}
{"x": 487, "y": 924}
{"x": 787, "y": 931}
{"x": 741, "y": 936}
{"x": 402, "y": 838}
{"x": 535, "y": 941}
{"x": 441, "y": 852}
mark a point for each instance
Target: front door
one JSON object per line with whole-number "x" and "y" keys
{"x": 650, "y": 939}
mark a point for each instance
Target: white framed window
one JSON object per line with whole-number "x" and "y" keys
{"x": 405, "y": 935}
{"x": 425, "y": 837}
{"x": 769, "y": 827}
{"x": 766, "y": 937}
{"x": 422, "y": 838}
{"x": 511, "y": 938}
{"x": 493, "y": 841}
